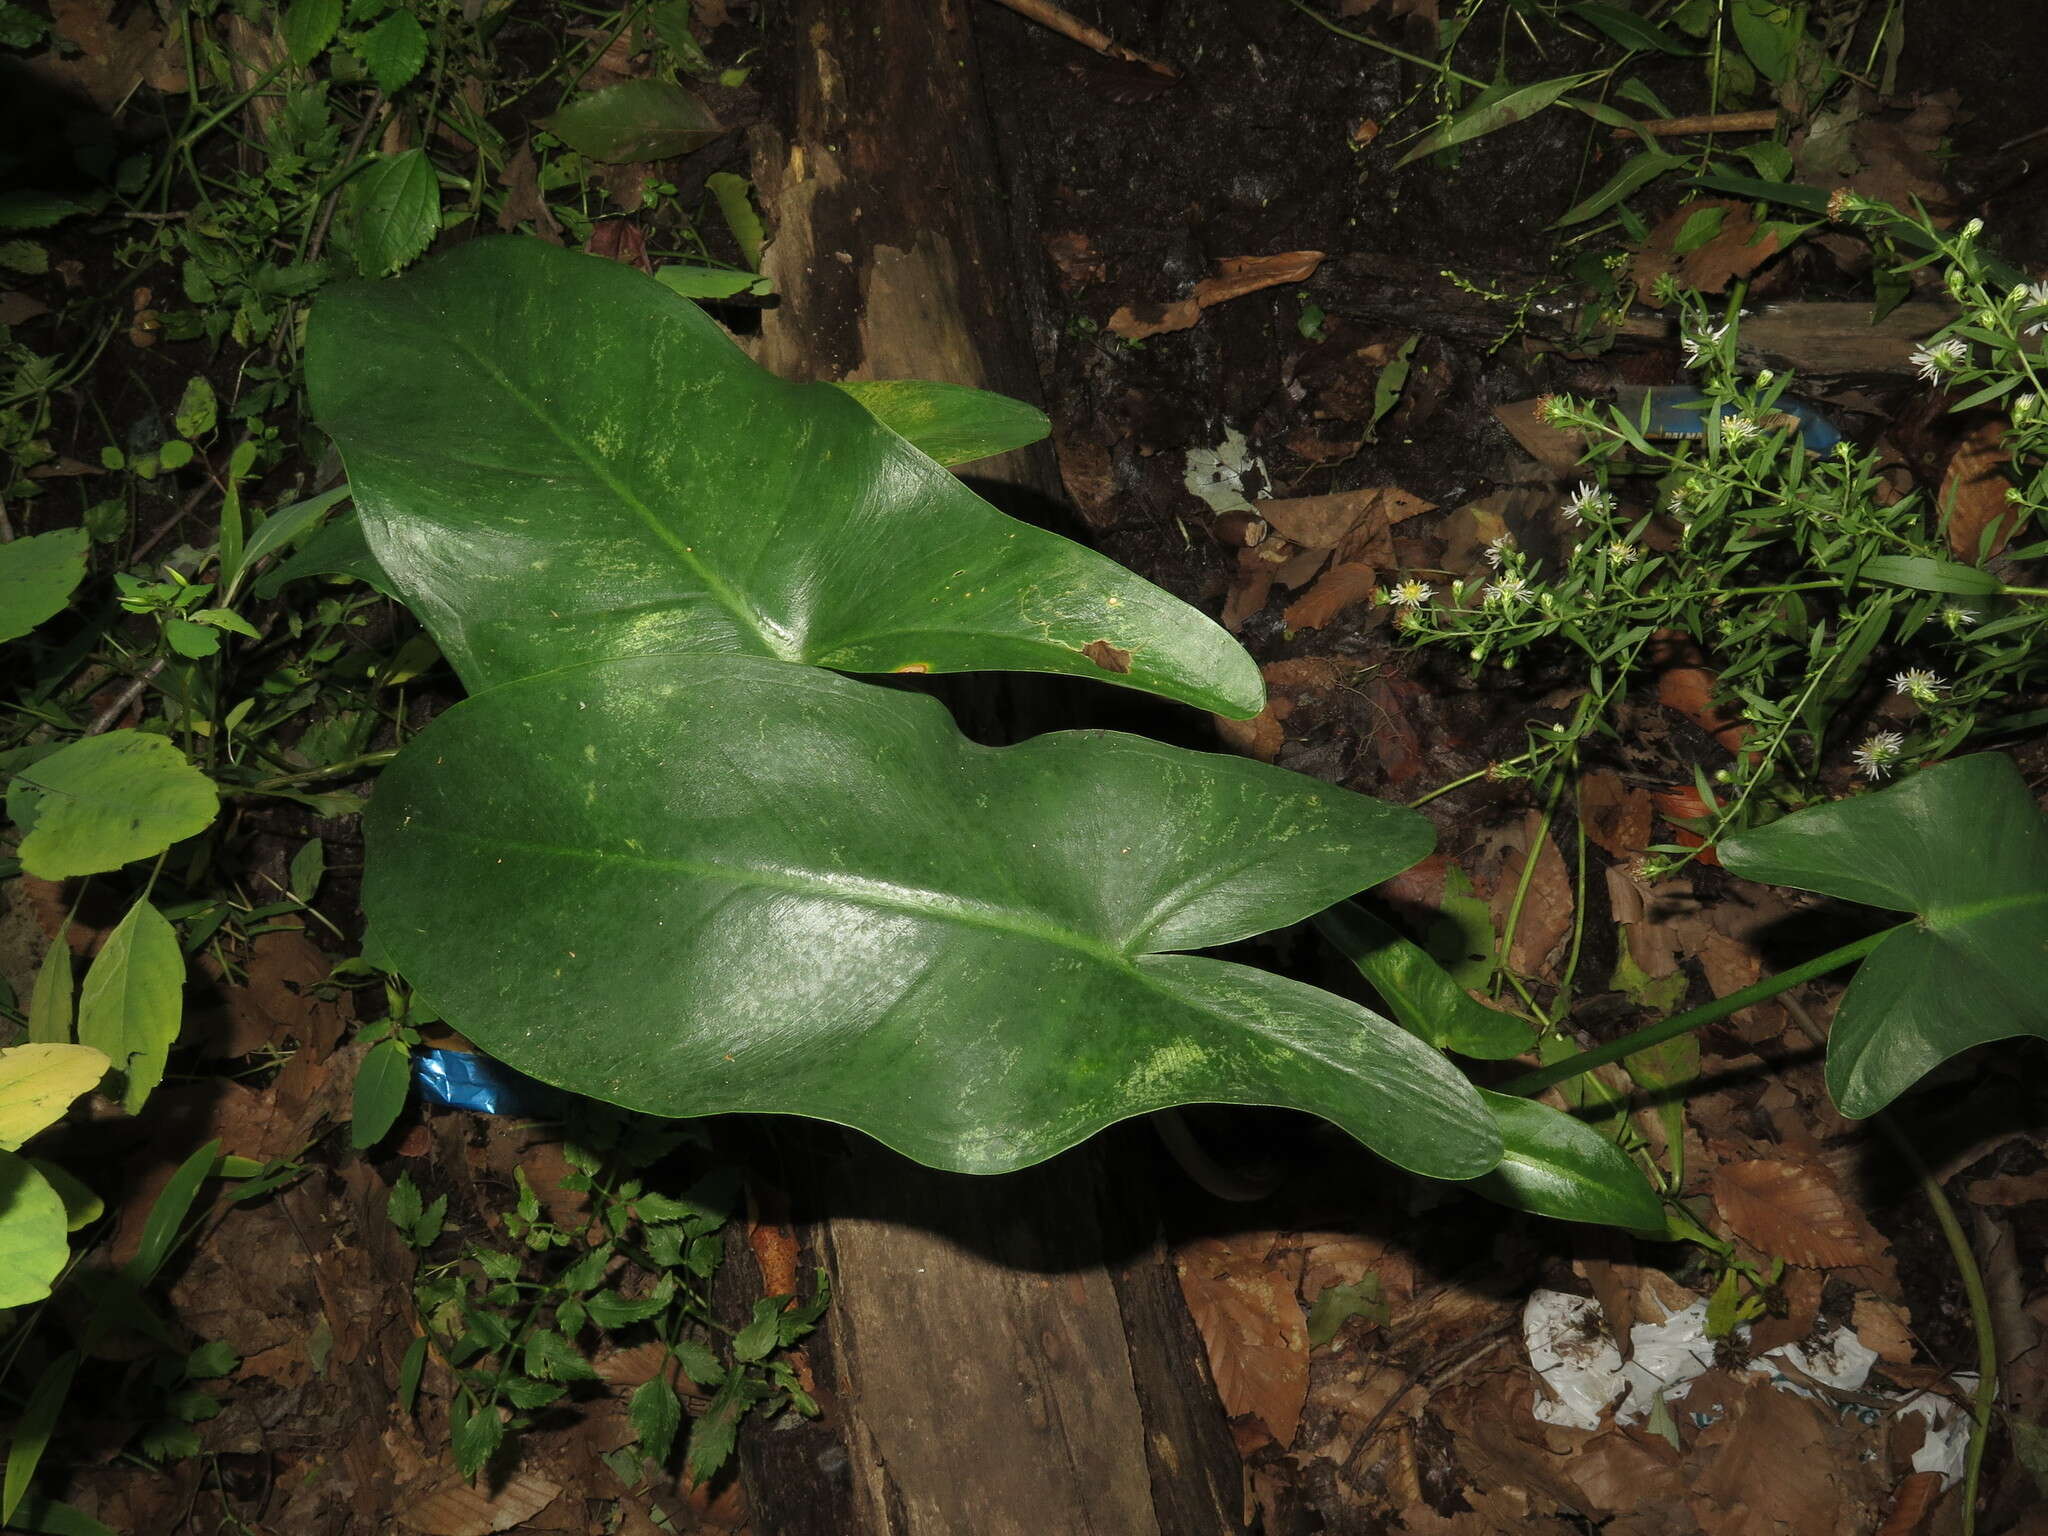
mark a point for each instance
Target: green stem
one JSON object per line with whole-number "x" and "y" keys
{"x": 1530, "y": 1083}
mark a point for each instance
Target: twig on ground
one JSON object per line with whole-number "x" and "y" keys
{"x": 1047, "y": 14}
{"x": 1715, "y": 122}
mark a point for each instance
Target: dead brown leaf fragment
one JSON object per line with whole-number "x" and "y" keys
{"x": 1338, "y": 589}
{"x": 1736, "y": 249}
{"x": 1234, "y": 277}
{"x": 1978, "y": 517}
{"x": 453, "y": 1508}
{"x": 1324, "y": 522}
{"x": 1111, "y": 658}
{"x": 1252, "y": 1327}
{"x": 1794, "y": 1211}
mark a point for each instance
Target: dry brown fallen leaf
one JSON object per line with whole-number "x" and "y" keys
{"x": 1734, "y": 251}
{"x": 1234, "y": 277}
{"x": 453, "y": 1508}
{"x": 114, "y": 58}
{"x": 2008, "y": 1189}
{"x": 1980, "y": 519}
{"x": 1325, "y": 522}
{"x": 1253, "y": 1330}
{"x": 1264, "y": 734}
{"x": 1771, "y": 1466}
{"x": 1557, "y": 451}
{"x": 1615, "y": 815}
{"x": 1338, "y": 588}
{"x": 1793, "y": 1211}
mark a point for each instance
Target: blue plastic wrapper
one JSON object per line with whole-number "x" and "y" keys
{"x": 1676, "y": 411}
{"x": 465, "y": 1080}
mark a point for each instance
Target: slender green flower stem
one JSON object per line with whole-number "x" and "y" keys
{"x": 1683, "y": 1023}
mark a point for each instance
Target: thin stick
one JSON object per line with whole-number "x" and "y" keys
{"x": 1709, "y": 122}
{"x": 1046, "y": 14}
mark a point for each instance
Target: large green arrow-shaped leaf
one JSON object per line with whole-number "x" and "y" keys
{"x": 558, "y": 460}
{"x": 1963, "y": 846}
{"x": 693, "y": 885}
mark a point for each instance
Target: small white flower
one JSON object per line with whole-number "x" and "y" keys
{"x": 1739, "y": 429}
{"x": 1588, "y": 500}
{"x": 1931, "y": 362}
{"x": 1619, "y": 553}
{"x": 2037, "y": 298}
{"x": 2023, "y": 405}
{"x": 1411, "y": 593}
{"x": 1973, "y": 229}
{"x": 2017, "y": 293}
{"x": 1497, "y": 549}
{"x": 1699, "y": 348}
{"x": 1557, "y": 411}
{"x": 1508, "y": 592}
{"x": 1764, "y": 376}
{"x": 1958, "y": 618}
{"x": 1878, "y": 754}
{"x": 1919, "y": 684}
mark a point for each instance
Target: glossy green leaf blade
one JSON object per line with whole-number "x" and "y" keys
{"x": 1929, "y": 575}
{"x": 557, "y": 460}
{"x": 1496, "y": 107}
{"x": 37, "y": 576}
{"x": 383, "y": 1082}
{"x": 34, "y": 1240}
{"x": 950, "y": 422}
{"x": 100, "y": 802}
{"x": 733, "y": 884}
{"x": 1963, "y": 846}
{"x": 133, "y": 1000}
{"x": 1423, "y": 997}
{"x": 1557, "y": 1165}
{"x": 32, "y": 1434}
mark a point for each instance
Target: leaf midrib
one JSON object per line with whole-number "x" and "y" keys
{"x": 770, "y": 635}
{"x": 858, "y": 890}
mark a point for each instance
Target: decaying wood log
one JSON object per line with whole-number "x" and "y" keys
{"x": 981, "y": 1369}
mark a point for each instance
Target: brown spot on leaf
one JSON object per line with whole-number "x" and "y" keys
{"x": 913, "y": 666}
{"x": 1109, "y": 657}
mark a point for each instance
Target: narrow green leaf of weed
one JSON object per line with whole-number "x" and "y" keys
{"x": 213, "y": 1359}
{"x": 398, "y": 212}
{"x": 383, "y": 1082}
{"x": 409, "y": 1371}
{"x": 1634, "y": 174}
{"x": 37, "y": 577}
{"x": 798, "y": 1321}
{"x": 394, "y": 50}
{"x": 1496, "y": 107}
{"x": 1929, "y": 575}
{"x": 736, "y": 204}
{"x": 1420, "y": 995}
{"x": 639, "y": 120}
{"x": 309, "y": 26}
{"x": 32, "y": 1432}
{"x": 308, "y": 869}
{"x": 167, "y": 1216}
{"x": 474, "y": 1433}
{"x": 133, "y": 1000}
{"x": 1338, "y": 1304}
{"x": 1627, "y": 28}
{"x": 656, "y": 1413}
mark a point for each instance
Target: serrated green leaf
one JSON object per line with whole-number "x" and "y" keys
{"x": 24, "y": 256}
{"x": 715, "y": 1432}
{"x": 587, "y": 1273}
{"x": 38, "y": 574}
{"x": 1421, "y": 996}
{"x": 309, "y": 26}
{"x": 106, "y": 800}
{"x": 474, "y": 1433}
{"x": 950, "y": 422}
{"x": 698, "y": 1363}
{"x": 524, "y": 1393}
{"x": 133, "y": 1000}
{"x": 635, "y": 121}
{"x": 1964, "y": 848}
{"x": 37, "y": 210}
{"x": 1556, "y": 1165}
{"x": 383, "y": 1083}
{"x": 393, "y": 50}
{"x": 656, "y": 1413}
{"x": 608, "y": 1309}
{"x": 553, "y": 1358}
{"x": 34, "y": 1235}
{"x": 717, "y": 921}
{"x": 1498, "y": 106}
{"x": 729, "y": 511}
{"x": 398, "y": 212}
{"x": 755, "y": 1340}
{"x": 402, "y": 1208}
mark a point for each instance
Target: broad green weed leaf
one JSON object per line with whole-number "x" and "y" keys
{"x": 38, "y": 1083}
{"x": 1498, "y": 106}
{"x": 474, "y": 1433}
{"x": 133, "y": 1000}
{"x": 1964, "y": 848}
{"x": 1557, "y": 1165}
{"x": 1627, "y": 28}
{"x": 556, "y": 460}
{"x": 639, "y": 120}
{"x": 1421, "y": 996}
{"x": 1929, "y": 575}
{"x": 103, "y": 801}
{"x": 82, "y": 1206}
{"x": 1769, "y": 34}
{"x": 950, "y": 422}
{"x": 37, "y": 577}
{"x": 167, "y": 1215}
{"x": 398, "y": 212}
{"x": 32, "y": 1434}
{"x": 736, "y": 204}
{"x": 786, "y": 891}
{"x": 309, "y": 26}
{"x": 1634, "y": 174}
{"x": 34, "y": 1236}
{"x": 656, "y": 1413}
{"x": 698, "y": 282}
{"x": 48, "y": 1517}
{"x": 382, "y": 1083}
